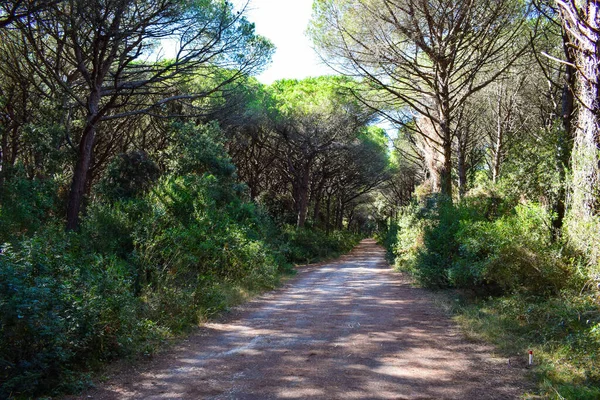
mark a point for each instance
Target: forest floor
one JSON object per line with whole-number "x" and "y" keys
{"x": 347, "y": 329}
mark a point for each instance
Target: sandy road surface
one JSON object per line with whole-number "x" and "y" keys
{"x": 350, "y": 329}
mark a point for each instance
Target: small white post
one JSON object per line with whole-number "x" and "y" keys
{"x": 530, "y": 358}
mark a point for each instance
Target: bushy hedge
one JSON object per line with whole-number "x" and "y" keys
{"x": 139, "y": 270}
{"x": 306, "y": 245}
{"x": 485, "y": 244}
{"x": 61, "y": 305}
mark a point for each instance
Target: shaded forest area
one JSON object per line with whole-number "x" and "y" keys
{"x": 148, "y": 181}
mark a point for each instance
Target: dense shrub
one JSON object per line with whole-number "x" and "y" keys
{"x": 128, "y": 176}
{"x": 387, "y": 236}
{"x": 485, "y": 244}
{"x": 25, "y": 204}
{"x": 409, "y": 239}
{"x": 523, "y": 288}
{"x": 306, "y": 245}
{"x": 512, "y": 253}
{"x": 60, "y": 308}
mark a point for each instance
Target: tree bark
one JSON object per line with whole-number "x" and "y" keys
{"x": 585, "y": 153}
{"x": 3, "y": 155}
{"x": 446, "y": 133}
{"x": 328, "y": 215}
{"x": 462, "y": 171}
{"x": 582, "y": 22}
{"x": 565, "y": 140}
{"x": 499, "y": 140}
{"x": 340, "y": 221}
{"x": 303, "y": 195}
{"x": 84, "y": 157}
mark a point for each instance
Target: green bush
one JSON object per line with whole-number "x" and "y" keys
{"x": 526, "y": 288}
{"x": 409, "y": 239}
{"x": 440, "y": 246}
{"x": 484, "y": 244}
{"x": 129, "y": 175}
{"x": 60, "y": 309}
{"x": 26, "y": 204}
{"x": 513, "y": 253}
{"x": 306, "y": 245}
{"x": 387, "y": 236}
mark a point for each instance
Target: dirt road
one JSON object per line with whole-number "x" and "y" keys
{"x": 350, "y": 329}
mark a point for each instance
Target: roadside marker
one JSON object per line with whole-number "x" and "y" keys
{"x": 530, "y": 357}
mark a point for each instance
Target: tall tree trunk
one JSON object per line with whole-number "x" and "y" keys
{"x": 84, "y": 158}
{"x": 498, "y": 142}
{"x": 462, "y": 170}
{"x": 3, "y": 155}
{"x": 328, "y": 215}
{"x": 318, "y": 197}
{"x": 317, "y": 209}
{"x": 303, "y": 195}
{"x": 78, "y": 185}
{"x": 584, "y": 218}
{"x": 340, "y": 219}
{"x": 446, "y": 131}
{"x": 565, "y": 139}
{"x": 446, "y": 170}
{"x": 585, "y": 154}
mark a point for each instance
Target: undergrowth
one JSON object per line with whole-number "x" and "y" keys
{"x": 521, "y": 288}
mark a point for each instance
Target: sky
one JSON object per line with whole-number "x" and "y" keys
{"x": 284, "y": 23}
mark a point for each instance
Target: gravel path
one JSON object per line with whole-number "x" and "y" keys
{"x": 349, "y": 329}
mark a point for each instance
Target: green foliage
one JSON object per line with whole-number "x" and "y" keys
{"x": 154, "y": 260}
{"x": 512, "y": 253}
{"x": 153, "y": 256}
{"x": 305, "y": 245}
{"x": 128, "y": 176}
{"x": 522, "y": 288}
{"x": 387, "y": 236}
{"x": 25, "y": 204}
{"x": 138, "y": 271}
{"x": 61, "y": 308}
{"x": 311, "y": 95}
{"x": 198, "y": 149}
{"x": 409, "y": 239}
{"x": 486, "y": 245}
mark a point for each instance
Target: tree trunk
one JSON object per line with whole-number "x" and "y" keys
{"x": 498, "y": 143}
{"x": 318, "y": 197}
{"x": 78, "y": 185}
{"x": 253, "y": 189}
{"x": 446, "y": 131}
{"x": 585, "y": 154}
{"x": 565, "y": 140}
{"x": 584, "y": 221}
{"x": 462, "y": 171}
{"x": 446, "y": 170}
{"x": 84, "y": 158}
{"x": 303, "y": 195}
{"x": 340, "y": 220}
{"x": 328, "y": 215}
{"x": 3, "y": 155}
